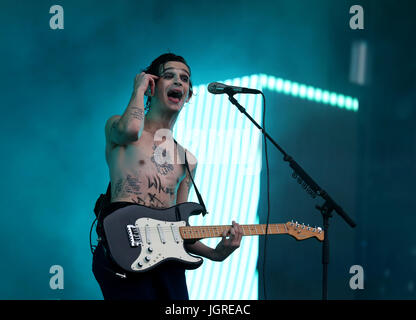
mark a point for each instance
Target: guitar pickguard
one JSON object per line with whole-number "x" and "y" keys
{"x": 160, "y": 241}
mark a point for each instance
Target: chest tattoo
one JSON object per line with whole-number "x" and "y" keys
{"x": 162, "y": 160}
{"x": 155, "y": 182}
{"x": 130, "y": 185}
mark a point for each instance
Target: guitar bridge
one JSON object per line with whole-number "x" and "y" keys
{"x": 134, "y": 236}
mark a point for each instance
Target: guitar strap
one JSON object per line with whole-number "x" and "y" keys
{"x": 201, "y": 202}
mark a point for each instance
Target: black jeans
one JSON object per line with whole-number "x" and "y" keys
{"x": 165, "y": 282}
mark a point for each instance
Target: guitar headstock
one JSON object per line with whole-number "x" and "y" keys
{"x": 302, "y": 232}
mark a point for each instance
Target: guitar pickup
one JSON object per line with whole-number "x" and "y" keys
{"x": 175, "y": 232}
{"x": 133, "y": 233}
{"x": 161, "y": 234}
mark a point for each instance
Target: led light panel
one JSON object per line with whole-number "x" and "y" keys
{"x": 229, "y": 152}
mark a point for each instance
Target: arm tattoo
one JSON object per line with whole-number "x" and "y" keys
{"x": 137, "y": 113}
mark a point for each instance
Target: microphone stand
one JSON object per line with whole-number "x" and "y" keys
{"x": 313, "y": 189}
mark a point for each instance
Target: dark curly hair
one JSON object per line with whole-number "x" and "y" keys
{"x": 155, "y": 67}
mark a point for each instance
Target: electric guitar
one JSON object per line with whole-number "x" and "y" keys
{"x": 140, "y": 238}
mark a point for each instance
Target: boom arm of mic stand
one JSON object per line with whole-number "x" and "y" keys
{"x": 297, "y": 168}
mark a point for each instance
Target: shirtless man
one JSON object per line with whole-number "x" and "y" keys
{"x": 139, "y": 177}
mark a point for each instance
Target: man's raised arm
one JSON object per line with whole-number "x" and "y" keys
{"x": 128, "y": 127}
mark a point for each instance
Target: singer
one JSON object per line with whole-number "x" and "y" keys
{"x": 138, "y": 178}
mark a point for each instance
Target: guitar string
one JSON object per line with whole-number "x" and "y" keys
{"x": 213, "y": 227}
{"x": 250, "y": 227}
{"x": 216, "y": 231}
{"x": 190, "y": 229}
{"x": 246, "y": 228}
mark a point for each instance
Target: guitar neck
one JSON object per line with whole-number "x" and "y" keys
{"x": 217, "y": 231}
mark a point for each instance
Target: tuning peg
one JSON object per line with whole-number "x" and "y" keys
{"x": 309, "y": 228}
{"x": 319, "y": 229}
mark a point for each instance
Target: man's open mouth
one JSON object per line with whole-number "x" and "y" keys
{"x": 175, "y": 95}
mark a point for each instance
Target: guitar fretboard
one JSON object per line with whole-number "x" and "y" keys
{"x": 217, "y": 231}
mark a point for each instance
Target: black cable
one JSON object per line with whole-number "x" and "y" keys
{"x": 91, "y": 246}
{"x": 268, "y": 197}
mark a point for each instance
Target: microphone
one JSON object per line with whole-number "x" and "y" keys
{"x": 218, "y": 88}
